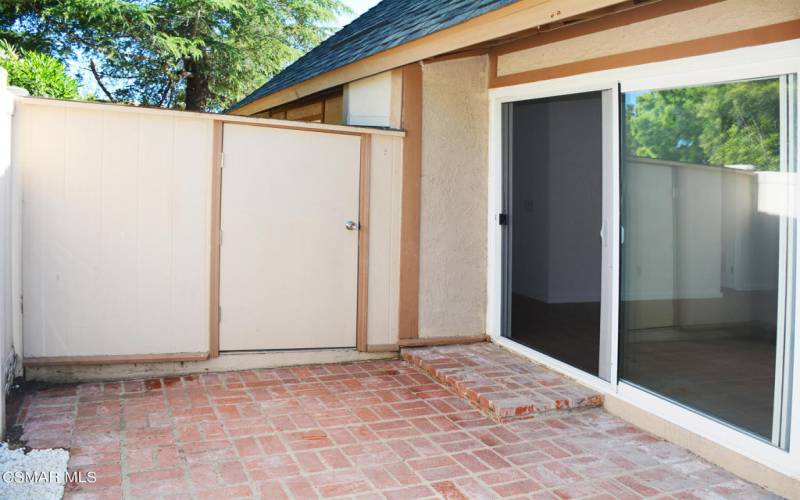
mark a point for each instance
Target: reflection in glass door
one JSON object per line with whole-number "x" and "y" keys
{"x": 708, "y": 223}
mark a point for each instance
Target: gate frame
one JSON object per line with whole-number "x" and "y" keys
{"x": 216, "y": 219}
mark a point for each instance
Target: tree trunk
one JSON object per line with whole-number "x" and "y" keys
{"x": 197, "y": 90}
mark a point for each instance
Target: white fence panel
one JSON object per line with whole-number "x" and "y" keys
{"x": 7, "y": 241}
{"x": 115, "y": 230}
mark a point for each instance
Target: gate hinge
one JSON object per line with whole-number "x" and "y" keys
{"x": 502, "y": 219}
{"x": 222, "y": 160}
{"x": 219, "y": 314}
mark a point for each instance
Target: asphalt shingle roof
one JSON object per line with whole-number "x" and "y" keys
{"x": 386, "y": 25}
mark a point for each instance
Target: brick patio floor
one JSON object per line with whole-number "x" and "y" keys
{"x": 503, "y": 384}
{"x": 378, "y": 429}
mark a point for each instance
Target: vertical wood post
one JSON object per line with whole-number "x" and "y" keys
{"x": 411, "y": 121}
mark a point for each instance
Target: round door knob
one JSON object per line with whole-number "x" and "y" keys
{"x": 351, "y": 226}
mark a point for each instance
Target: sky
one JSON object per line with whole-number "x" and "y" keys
{"x": 358, "y": 7}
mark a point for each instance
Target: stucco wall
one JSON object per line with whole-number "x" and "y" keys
{"x": 452, "y": 297}
{"x": 714, "y": 19}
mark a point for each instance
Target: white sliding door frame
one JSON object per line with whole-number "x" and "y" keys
{"x": 752, "y": 62}
{"x": 609, "y": 230}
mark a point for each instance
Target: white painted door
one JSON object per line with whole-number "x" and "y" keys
{"x": 288, "y": 264}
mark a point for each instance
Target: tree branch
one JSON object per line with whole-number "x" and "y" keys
{"x": 99, "y": 81}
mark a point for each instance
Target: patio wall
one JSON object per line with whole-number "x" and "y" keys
{"x": 117, "y": 229}
{"x": 7, "y": 356}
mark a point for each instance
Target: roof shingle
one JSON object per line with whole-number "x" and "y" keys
{"x": 386, "y": 25}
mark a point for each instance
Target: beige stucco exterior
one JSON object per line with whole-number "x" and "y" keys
{"x": 714, "y": 19}
{"x": 452, "y": 295}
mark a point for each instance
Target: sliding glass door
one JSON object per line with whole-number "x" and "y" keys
{"x": 557, "y": 182}
{"x": 707, "y": 262}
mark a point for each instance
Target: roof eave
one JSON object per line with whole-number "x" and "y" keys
{"x": 513, "y": 18}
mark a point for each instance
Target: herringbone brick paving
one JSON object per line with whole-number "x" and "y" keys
{"x": 377, "y": 429}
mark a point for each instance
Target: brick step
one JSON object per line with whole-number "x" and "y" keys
{"x": 503, "y": 384}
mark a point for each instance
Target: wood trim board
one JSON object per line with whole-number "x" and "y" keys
{"x": 615, "y": 20}
{"x": 363, "y": 236}
{"x": 115, "y": 359}
{"x": 411, "y": 121}
{"x": 433, "y": 341}
{"x": 289, "y": 124}
{"x": 780, "y": 32}
{"x": 216, "y": 214}
{"x": 430, "y": 341}
{"x": 227, "y": 118}
{"x": 362, "y": 291}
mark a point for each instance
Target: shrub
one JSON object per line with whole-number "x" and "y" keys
{"x": 39, "y": 74}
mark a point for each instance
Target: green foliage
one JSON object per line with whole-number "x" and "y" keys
{"x": 726, "y": 124}
{"x": 38, "y": 73}
{"x": 193, "y": 54}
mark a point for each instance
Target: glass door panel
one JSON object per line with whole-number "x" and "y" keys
{"x": 704, "y": 268}
{"x": 555, "y": 161}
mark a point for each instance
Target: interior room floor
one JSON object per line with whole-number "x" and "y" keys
{"x": 567, "y": 332}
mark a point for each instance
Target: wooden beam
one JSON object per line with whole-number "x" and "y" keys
{"x": 115, "y": 359}
{"x": 789, "y": 30}
{"x": 383, "y": 348}
{"x": 288, "y": 125}
{"x": 306, "y": 112}
{"x": 216, "y": 219}
{"x": 363, "y": 245}
{"x": 431, "y": 341}
{"x": 611, "y": 17}
{"x": 461, "y": 54}
{"x": 515, "y": 17}
{"x": 411, "y": 118}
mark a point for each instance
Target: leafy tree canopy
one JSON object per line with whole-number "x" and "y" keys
{"x": 726, "y": 124}
{"x": 38, "y": 73}
{"x": 193, "y": 54}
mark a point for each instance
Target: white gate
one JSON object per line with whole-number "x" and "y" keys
{"x": 289, "y": 230}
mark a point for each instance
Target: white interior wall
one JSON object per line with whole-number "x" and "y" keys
{"x": 557, "y": 199}
{"x": 531, "y": 207}
{"x": 115, "y": 230}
